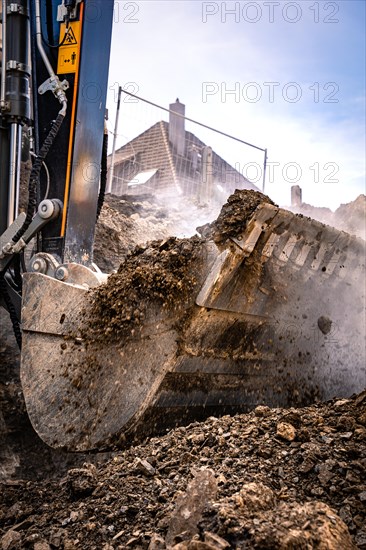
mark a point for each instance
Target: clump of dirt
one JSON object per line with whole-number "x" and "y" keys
{"x": 231, "y": 483}
{"x": 161, "y": 273}
{"x": 234, "y": 215}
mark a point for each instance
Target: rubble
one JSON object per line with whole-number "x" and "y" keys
{"x": 223, "y": 483}
{"x": 270, "y": 479}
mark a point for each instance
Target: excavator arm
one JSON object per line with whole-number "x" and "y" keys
{"x": 60, "y": 51}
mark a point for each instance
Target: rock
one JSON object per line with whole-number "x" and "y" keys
{"x": 190, "y": 505}
{"x": 341, "y": 403}
{"x": 10, "y": 540}
{"x": 324, "y": 324}
{"x": 286, "y": 431}
{"x": 215, "y": 541}
{"x": 144, "y": 467}
{"x": 284, "y": 526}
{"x": 56, "y": 538}
{"x": 42, "y": 545}
{"x": 345, "y": 423}
{"x": 325, "y": 473}
{"x": 198, "y": 545}
{"x": 82, "y": 481}
{"x": 255, "y": 497}
{"x": 262, "y": 411}
{"x": 157, "y": 543}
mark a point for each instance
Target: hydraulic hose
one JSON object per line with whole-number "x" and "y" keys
{"x": 35, "y": 174}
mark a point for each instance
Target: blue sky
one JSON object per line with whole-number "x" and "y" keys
{"x": 297, "y": 70}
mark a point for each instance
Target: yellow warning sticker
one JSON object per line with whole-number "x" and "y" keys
{"x": 68, "y": 52}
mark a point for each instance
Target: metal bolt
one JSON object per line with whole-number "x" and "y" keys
{"x": 46, "y": 209}
{"x": 61, "y": 273}
{"x": 39, "y": 265}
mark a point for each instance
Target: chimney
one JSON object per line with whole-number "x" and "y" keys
{"x": 296, "y": 195}
{"x": 177, "y": 134}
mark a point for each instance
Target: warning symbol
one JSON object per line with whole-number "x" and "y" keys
{"x": 69, "y": 39}
{"x": 68, "y": 52}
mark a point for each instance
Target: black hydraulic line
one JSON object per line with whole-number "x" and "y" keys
{"x": 11, "y": 309}
{"x": 56, "y": 46}
{"x": 34, "y": 176}
{"x": 103, "y": 175}
{"x": 17, "y": 272}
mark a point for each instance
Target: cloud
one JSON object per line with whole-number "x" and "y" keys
{"x": 171, "y": 52}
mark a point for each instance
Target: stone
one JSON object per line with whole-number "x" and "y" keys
{"x": 215, "y": 541}
{"x": 157, "y": 543}
{"x": 286, "y": 431}
{"x": 56, "y": 538}
{"x": 324, "y": 324}
{"x": 262, "y": 411}
{"x": 82, "y": 481}
{"x": 144, "y": 467}
{"x": 10, "y": 540}
{"x": 255, "y": 497}
{"x": 190, "y": 505}
{"x": 198, "y": 545}
{"x": 42, "y": 545}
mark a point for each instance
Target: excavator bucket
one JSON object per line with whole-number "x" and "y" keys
{"x": 267, "y": 307}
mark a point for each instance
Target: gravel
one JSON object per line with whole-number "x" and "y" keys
{"x": 234, "y": 482}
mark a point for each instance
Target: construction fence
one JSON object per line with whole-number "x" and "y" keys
{"x": 160, "y": 150}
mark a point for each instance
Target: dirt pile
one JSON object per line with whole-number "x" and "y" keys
{"x": 273, "y": 478}
{"x": 234, "y": 214}
{"x": 162, "y": 273}
{"x": 270, "y": 479}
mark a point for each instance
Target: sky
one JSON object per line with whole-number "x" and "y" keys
{"x": 285, "y": 76}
